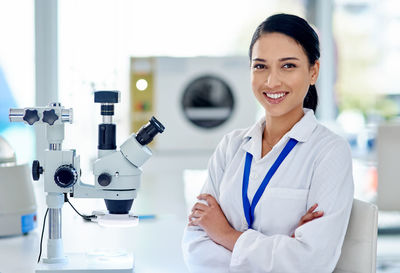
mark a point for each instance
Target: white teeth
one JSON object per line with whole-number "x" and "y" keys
{"x": 275, "y": 95}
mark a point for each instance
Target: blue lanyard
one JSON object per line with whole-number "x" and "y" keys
{"x": 249, "y": 210}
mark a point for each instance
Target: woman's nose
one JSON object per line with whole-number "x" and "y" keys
{"x": 272, "y": 80}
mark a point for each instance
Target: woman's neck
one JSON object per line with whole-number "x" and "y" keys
{"x": 277, "y": 127}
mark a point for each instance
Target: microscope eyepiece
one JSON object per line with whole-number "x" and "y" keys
{"x": 107, "y": 109}
{"x": 112, "y": 96}
{"x": 148, "y": 131}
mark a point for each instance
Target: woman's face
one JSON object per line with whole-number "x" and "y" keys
{"x": 281, "y": 74}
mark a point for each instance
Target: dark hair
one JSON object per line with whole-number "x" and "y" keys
{"x": 298, "y": 29}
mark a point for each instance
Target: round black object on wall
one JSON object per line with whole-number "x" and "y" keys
{"x": 208, "y": 102}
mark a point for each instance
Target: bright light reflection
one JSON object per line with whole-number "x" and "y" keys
{"x": 117, "y": 220}
{"x": 141, "y": 84}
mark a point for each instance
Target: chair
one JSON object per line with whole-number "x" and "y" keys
{"x": 359, "y": 246}
{"x": 388, "y": 148}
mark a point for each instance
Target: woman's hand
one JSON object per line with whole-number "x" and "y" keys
{"x": 211, "y": 218}
{"x": 309, "y": 216}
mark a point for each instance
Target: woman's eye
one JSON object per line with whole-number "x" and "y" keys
{"x": 289, "y": 65}
{"x": 258, "y": 66}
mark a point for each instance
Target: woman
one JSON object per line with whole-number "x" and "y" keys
{"x": 264, "y": 179}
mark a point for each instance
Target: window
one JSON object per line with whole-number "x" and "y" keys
{"x": 17, "y": 85}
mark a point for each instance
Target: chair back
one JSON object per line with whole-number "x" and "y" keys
{"x": 359, "y": 246}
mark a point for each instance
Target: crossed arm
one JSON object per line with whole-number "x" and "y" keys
{"x": 217, "y": 247}
{"x": 213, "y": 221}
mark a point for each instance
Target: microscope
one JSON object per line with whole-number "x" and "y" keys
{"x": 117, "y": 175}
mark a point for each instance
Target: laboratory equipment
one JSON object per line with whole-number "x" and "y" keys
{"x": 17, "y": 199}
{"x": 205, "y": 97}
{"x": 117, "y": 176}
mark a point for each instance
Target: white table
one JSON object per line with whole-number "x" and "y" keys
{"x": 156, "y": 244}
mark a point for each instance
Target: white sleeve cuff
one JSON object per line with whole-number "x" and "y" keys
{"x": 241, "y": 246}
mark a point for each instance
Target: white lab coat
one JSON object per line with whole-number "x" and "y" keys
{"x": 317, "y": 170}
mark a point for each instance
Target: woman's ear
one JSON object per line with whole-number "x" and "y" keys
{"x": 314, "y": 72}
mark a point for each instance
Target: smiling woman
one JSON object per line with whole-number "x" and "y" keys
{"x": 257, "y": 209}
{"x": 281, "y": 70}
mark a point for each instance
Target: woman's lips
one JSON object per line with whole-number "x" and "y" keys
{"x": 275, "y": 97}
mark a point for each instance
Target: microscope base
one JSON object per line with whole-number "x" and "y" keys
{"x": 87, "y": 263}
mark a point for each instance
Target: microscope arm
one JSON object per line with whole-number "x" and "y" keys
{"x": 116, "y": 178}
{"x": 82, "y": 190}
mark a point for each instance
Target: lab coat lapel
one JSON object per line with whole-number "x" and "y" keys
{"x": 252, "y": 139}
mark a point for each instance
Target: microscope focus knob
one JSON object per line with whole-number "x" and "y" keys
{"x": 50, "y": 116}
{"x": 31, "y": 116}
{"x": 65, "y": 176}
{"x": 37, "y": 170}
{"x": 104, "y": 179}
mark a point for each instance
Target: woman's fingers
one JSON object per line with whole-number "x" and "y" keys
{"x": 317, "y": 214}
{"x": 206, "y": 204}
{"x": 193, "y": 217}
{"x": 196, "y": 213}
{"x": 193, "y": 223}
{"x": 309, "y": 216}
{"x": 310, "y": 213}
{"x": 312, "y": 208}
{"x": 199, "y": 206}
{"x": 209, "y": 198}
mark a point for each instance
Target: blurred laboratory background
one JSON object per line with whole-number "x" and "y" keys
{"x": 186, "y": 63}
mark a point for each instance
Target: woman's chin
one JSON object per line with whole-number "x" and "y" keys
{"x": 277, "y": 111}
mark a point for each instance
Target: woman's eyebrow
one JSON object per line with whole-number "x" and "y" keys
{"x": 281, "y": 59}
{"x": 288, "y": 58}
{"x": 259, "y": 60}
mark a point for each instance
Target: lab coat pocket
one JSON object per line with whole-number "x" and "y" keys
{"x": 281, "y": 210}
